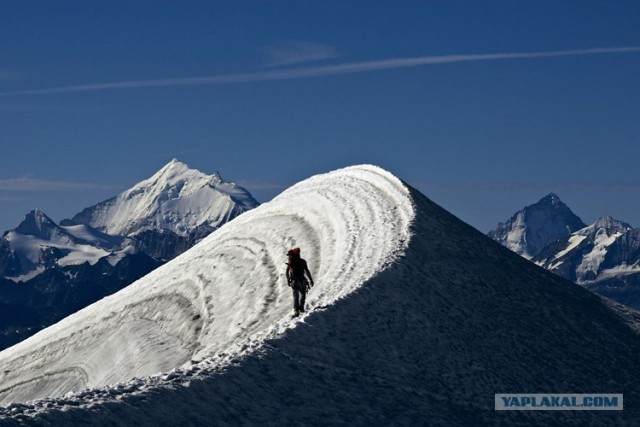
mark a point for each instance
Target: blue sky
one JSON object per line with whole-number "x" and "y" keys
{"x": 484, "y": 106}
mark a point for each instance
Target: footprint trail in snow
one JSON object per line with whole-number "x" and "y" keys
{"x": 227, "y": 295}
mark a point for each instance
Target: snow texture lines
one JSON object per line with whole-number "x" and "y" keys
{"x": 223, "y": 298}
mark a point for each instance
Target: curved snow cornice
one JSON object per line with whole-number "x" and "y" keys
{"x": 227, "y": 295}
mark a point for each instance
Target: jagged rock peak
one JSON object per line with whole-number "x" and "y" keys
{"x": 611, "y": 224}
{"x": 531, "y": 229}
{"x": 551, "y": 199}
{"x": 36, "y": 223}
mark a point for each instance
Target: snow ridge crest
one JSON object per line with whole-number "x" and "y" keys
{"x": 226, "y": 296}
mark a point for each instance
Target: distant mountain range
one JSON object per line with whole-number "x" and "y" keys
{"x": 38, "y": 244}
{"x": 603, "y": 257}
{"x": 49, "y": 270}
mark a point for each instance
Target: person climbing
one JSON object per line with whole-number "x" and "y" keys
{"x": 296, "y": 269}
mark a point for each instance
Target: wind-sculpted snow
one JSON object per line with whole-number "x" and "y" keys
{"x": 416, "y": 319}
{"x": 227, "y": 295}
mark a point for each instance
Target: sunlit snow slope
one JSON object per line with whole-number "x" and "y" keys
{"x": 227, "y": 294}
{"x": 436, "y": 318}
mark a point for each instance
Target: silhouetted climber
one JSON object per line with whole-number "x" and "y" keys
{"x": 296, "y": 269}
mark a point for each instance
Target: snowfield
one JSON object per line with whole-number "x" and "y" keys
{"x": 415, "y": 319}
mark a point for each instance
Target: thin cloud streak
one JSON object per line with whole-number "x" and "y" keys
{"x": 32, "y": 184}
{"x": 323, "y": 71}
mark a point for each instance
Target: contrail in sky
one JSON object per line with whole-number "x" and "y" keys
{"x": 321, "y": 71}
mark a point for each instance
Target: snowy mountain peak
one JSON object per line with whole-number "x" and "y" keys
{"x": 611, "y": 225}
{"x": 216, "y": 178}
{"x": 531, "y": 229}
{"x": 37, "y": 223}
{"x": 590, "y": 247}
{"x": 551, "y": 199}
{"x": 38, "y": 243}
{"x": 176, "y": 198}
{"x": 169, "y": 175}
{"x": 605, "y": 225}
{"x": 582, "y": 255}
{"x": 177, "y": 162}
{"x": 171, "y": 170}
{"x": 176, "y": 171}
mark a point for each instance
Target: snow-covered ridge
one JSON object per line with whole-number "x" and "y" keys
{"x": 580, "y": 256}
{"x": 602, "y": 256}
{"x": 176, "y": 198}
{"x": 38, "y": 242}
{"x": 603, "y": 233}
{"x": 533, "y": 228}
{"x": 226, "y": 295}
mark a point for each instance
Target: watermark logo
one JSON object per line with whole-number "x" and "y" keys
{"x": 558, "y": 402}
